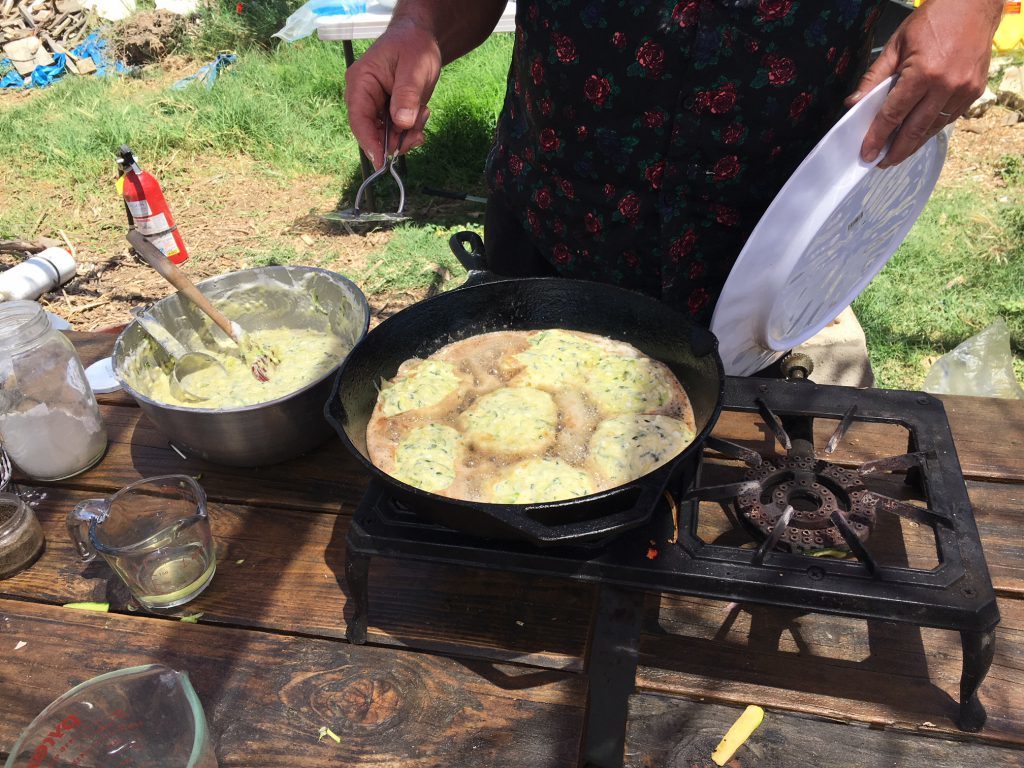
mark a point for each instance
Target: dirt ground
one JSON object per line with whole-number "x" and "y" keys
{"x": 148, "y": 36}
{"x": 225, "y": 212}
{"x": 978, "y": 146}
{"x": 232, "y": 209}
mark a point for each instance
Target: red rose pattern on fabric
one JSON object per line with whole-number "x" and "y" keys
{"x": 596, "y": 89}
{"x": 641, "y": 140}
{"x": 651, "y": 57}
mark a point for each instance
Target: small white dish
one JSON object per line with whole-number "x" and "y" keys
{"x": 829, "y": 231}
{"x": 101, "y": 377}
{"x": 58, "y": 323}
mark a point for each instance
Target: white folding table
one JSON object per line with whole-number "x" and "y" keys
{"x": 371, "y": 25}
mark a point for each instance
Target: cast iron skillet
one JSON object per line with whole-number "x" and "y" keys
{"x": 487, "y": 303}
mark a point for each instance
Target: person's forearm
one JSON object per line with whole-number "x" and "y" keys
{"x": 459, "y": 26}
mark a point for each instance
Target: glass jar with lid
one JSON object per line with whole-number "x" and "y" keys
{"x": 21, "y": 537}
{"x": 50, "y": 424}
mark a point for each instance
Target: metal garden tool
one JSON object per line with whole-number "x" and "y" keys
{"x": 356, "y": 215}
{"x": 261, "y": 361}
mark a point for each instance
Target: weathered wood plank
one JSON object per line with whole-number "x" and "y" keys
{"x": 989, "y": 435}
{"x": 327, "y": 479}
{"x": 267, "y": 695}
{"x": 999, "y": 513}
{"x": 284, "y": 571}
{"x": 880, "y": 673}
{"x": 91, "y": 346}
{"x": 666, "y": 732}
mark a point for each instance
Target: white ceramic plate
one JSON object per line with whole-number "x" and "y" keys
{"x": 828, "y": 232}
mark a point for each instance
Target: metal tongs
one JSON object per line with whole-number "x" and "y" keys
{"x": 356, "y": 214}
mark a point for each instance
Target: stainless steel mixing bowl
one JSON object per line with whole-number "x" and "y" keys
{"x": 265, "y": 297}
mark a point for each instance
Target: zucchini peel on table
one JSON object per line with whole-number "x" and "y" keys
{"x": 101, "y": 607}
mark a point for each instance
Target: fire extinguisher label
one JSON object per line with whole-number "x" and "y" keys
{"x": 166, "y": 244}
{"x": 151, "y": 225}
{"x": 139, "y": 208}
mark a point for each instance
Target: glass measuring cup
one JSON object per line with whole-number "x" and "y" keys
{"x": 155, "y": 534}
{"x": 139, "y": 717}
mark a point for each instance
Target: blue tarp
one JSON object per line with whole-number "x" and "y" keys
{"x": 207, "y": 73}
{"x": 92, "y": 47}
{"x": 12, "y": 79}
{"x": 41, "y": 76}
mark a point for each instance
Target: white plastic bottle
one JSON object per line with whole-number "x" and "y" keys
{"x": 35, "y": 276}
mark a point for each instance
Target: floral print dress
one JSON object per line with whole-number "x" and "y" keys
{"x": 641, "y": 140}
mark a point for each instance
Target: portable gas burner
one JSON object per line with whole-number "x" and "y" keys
{"x": 786, "y": 525}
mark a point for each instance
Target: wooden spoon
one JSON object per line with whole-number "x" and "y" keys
{"x": 262, "y": 362}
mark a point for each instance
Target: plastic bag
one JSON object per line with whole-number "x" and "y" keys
{"x": 981, "y": 366}
{"x": 302, "y": 23}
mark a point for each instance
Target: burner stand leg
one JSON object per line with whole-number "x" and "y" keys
{"x": 357, "y": 574}
{"x": 979, "y": 648}
{"x": 612, "y": 652}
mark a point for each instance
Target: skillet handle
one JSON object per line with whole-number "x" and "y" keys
{"x": 473, "y": 257}
{"x": 585, "y": 530}
{"x": 469, "y": 250}
{"x": 334, "y": 411}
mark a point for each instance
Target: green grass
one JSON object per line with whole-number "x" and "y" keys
{"x": 961, "y": 267}
{"x": 222, "y": 27}
{"x": 1011, "y": 169}
{"x": 283, "y": 106}
{"x": 410, "y": 258}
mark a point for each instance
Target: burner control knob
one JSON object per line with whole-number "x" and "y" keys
{"x": 797, "y": 365}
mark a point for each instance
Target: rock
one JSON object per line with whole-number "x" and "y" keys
{"x": 980, "y": 107}
{"x": 26, "y": 54}
{"x": 86, "y": 66}
{"x": 999, "y": 63}
{"x": 1011, "y": 88}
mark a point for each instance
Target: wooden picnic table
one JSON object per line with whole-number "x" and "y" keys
{"x": 482, "y": 668}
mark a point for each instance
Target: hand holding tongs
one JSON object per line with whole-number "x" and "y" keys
{"x": 355, "y": 214}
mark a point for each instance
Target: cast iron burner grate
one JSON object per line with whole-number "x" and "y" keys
{"x": 797, "y": 504}
{"x": 804, "y": 494}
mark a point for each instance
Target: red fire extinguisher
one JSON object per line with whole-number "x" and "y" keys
{"x": 147, "y": 209}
